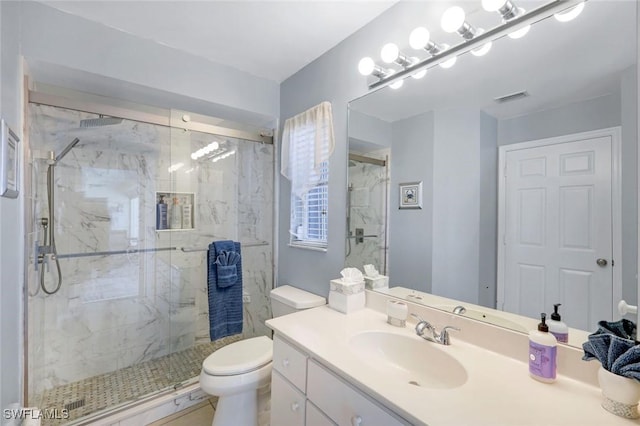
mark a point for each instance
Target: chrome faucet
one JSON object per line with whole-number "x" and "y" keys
{"x": 442, "y": 337}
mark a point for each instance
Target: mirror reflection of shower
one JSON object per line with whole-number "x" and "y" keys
{"x": 47, "y": 251}
{"x": 367, "y": 193}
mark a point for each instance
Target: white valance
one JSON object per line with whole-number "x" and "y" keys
{"x": 307, "y": 142}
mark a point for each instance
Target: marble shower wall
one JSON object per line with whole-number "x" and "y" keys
{"x": 117, "y": 310}
{"x": 369, "y": 185}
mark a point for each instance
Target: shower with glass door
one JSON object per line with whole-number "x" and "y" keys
{"x": 116, "y": 305}
{"x": 367, "y": 204}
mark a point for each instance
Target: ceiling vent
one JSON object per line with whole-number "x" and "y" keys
{"x": 511, "y": 97}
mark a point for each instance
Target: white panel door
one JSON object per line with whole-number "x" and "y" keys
{"x": 558, "y": 224}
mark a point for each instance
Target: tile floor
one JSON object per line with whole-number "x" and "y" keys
{"x": 101, "y": 392}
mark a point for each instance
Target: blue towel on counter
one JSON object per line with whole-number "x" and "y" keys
{"x": 224, "y": 288}
{"x": 614, "y": 345}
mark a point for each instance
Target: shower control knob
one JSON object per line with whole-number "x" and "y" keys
{"x": 602, "y": 262}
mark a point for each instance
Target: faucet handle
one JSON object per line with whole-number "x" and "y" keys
{"x": 444, "y": 334}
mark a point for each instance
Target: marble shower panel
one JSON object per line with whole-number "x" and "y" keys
{"x": 369, "y": 185}
{"x": 115, "y": 311}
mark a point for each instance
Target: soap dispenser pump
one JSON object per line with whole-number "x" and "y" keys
{"x": 558, "y": 328}
{"x": 542, "y": 353}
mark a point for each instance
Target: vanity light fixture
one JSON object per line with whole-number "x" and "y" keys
{"x": 450, "y": 62}
{"x": 391, "y": 54}
{"x": 515, "y": 23}
{"x": 454, "y": 21}
{"x": 570, "y": 14}
{"x": 507, "y": 11}
{"x": 367, "y": 66}
{"x": 420, "y": 38}
{"x": 484, "y": 49}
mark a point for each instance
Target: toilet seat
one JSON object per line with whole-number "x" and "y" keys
{"x": 239, "y": 357}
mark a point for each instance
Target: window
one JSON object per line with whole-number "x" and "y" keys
{"x": 307, "y": 144}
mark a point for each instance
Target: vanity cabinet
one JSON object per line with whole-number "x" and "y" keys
{"x": 304, "y": 392}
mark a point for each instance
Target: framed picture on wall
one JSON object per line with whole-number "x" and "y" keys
{"x": 411, "y": 195}
{"x": 9, "y": 165}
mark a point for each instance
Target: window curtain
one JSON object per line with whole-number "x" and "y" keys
{"x": 307, "y": 142}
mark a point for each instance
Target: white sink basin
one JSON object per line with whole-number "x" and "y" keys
{"x": 408, "y": 360}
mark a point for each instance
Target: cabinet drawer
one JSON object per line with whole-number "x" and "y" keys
{"x": 290, "y": 362}
{"x": 344, "y": 404}
{"x": 287, "y": 403}
{"x": 315, "y": 417}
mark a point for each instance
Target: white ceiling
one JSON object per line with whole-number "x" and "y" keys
{"x": 270, "y": 39}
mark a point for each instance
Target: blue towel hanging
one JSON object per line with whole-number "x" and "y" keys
{"x": 224, "y": 282}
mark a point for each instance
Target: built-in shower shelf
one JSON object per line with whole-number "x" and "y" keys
{"x": 174, "y": 211}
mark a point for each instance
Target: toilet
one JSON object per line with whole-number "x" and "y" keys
{"x": 235, "y": 372}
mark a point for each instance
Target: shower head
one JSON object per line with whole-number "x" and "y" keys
{"x": 99, "y": 122}
{"x": 67, "y": 149}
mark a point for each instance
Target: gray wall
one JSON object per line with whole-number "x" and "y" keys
{"x": 410, "y": 231}
{"x": 55, "y": 37}
{"x": 488, "y": 231}
{"x": 592, "y": 114}
{"x": 629, "y": 121}
{"x": 456, "y": 204}
{"x": 333, "y": 77}
{"x": 11, "y": 214}
{"x": 365, "y": 130}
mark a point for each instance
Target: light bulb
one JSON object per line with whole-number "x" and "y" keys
{"x": 520, "y": 33}
{"x": 418, "y": 75}
{"x": 215, "y": 145}
{"x": 452, "y": 19}
{"x": 194, "y": 156}
{"x": 397, "y": 84}
{"x": 448, "y": 63}
{"x": 366, "y": 66}
{"x": 570, "y": 14}
{"x": 419, "y": 38}
{"x": 484, "y": 49}
{"x": 389, "y": 53}
{"x": 493, "y": 5}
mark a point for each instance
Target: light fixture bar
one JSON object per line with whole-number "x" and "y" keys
{"x": 500, "y": 31}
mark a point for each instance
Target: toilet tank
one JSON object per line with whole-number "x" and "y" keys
{"x": 287, "y": 300}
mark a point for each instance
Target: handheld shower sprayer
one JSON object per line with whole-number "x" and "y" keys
{"x": 49, "y": 246}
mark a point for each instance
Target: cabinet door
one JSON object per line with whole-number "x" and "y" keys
{"x": 290, "y": 362}
{"x": 344, "y": 404}
{"x": 315, "y": 417}
{"x": 287, "y": 403}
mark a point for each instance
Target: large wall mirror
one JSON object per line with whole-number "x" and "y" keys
{"x": 527, "y": 159}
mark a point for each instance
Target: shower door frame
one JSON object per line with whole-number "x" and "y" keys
{"x": 112, "y": 107}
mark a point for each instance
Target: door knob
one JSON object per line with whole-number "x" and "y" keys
{"x": 602, "y": 262}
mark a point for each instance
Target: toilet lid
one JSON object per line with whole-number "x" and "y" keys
{"x": 239, "y": 357}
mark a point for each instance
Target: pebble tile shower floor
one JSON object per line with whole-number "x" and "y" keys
{"x": 97, "y": 393}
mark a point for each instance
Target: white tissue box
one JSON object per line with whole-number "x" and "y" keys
{"x": 341, "y": 287}
{"x": 381, "y": 281}
{"x": 346, "y": 303}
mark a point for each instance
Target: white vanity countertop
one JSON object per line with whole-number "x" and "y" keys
{"x": 498, "y": 390}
